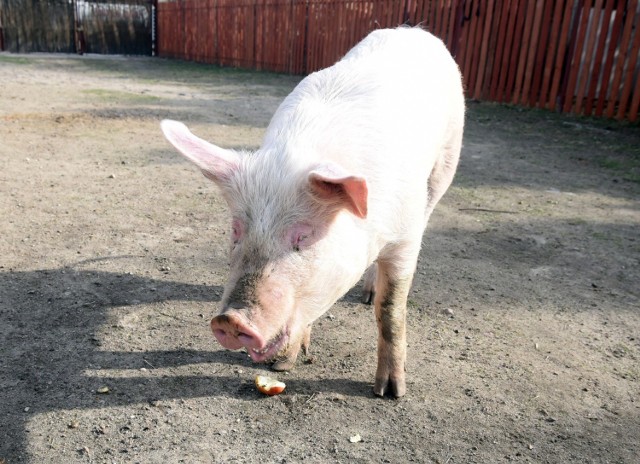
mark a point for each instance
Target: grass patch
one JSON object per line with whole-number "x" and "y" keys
{"x": 118, "y": 96}
{"x": 609, "y": 163}
{"x": 628, "y": 167}
{"x": 14, "y": 59}
{"x": 153, "y": 70}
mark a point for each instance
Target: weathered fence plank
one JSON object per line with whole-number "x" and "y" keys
{"x": 537, "y": 63}
{"x": 630, "y": 80}
{"x": 616, "y": 30}
{"x": 620, "y": 64}
{"x": 587, "y": 57}
{"x": 553, "y": 49}
{"x": 597, "y": 61}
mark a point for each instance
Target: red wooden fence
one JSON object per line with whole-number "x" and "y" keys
{"x": 576, "y": 56}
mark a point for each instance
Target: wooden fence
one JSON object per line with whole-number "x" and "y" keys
{"x": 576, "y": 56}
{"x": 68, "y": 26}
{"x": 22, "y": 26}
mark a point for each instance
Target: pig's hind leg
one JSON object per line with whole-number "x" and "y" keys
{"x": 369, "y": 285}
{"x": 443, "y": 171}
{"x": 440, "y": 179}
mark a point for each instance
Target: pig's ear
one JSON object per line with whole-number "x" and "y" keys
{"x": 333, "y": 184}
{"x": 216, "y": 163}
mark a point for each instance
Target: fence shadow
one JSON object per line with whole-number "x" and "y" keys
{"x": 50, "y": 350}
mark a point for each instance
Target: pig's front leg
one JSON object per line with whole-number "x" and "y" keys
{"x": 392, "y": 289}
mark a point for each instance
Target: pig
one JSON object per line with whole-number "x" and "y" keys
{"x": 350, "y": 169}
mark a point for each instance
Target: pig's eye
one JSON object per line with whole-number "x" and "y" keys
{"x": 301, "y": 239}
{"x": 237, "y": 230}
{"x": 300, "y": 236}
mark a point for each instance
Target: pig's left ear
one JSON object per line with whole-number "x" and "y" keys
{"x": 333, "y": 184}
{"x": 215, "y": 163}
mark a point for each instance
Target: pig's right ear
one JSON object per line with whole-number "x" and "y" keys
{"x": 333, "y": 184}
{"x": 216, "y": 163}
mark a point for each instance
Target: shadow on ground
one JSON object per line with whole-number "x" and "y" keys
{"x": 50, "y": 349}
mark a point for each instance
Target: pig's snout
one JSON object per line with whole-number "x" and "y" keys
{"x": 234, "y": 331}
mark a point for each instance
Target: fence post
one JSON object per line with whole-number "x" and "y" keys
{"x": 154, "y": 26}
{"x": 407, "y": 13}
{"x": 305, "y": 52}
{"x": 78, "y": 30}
{"x": 1, "y": 30}
{"x": 458, "y": 22}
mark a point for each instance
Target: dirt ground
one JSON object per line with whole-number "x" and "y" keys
{"x": 524, "y": 317}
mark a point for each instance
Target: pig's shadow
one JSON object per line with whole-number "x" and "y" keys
{"x": 50, "y": 350}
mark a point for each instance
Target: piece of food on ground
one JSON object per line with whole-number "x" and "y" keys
{"x": 269, "y": 386}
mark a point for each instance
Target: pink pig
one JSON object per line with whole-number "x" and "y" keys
{"x": 350, "y": 169}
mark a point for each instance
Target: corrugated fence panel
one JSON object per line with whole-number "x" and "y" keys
{"x": 576, "y": 56}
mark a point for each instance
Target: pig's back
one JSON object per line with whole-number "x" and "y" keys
{"x": 385, "y": 111}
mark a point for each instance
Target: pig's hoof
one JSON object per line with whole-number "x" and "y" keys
{"x": 390, "y": 387}
{"x": 283, "y": 364}
{"x": 368, "y": 296}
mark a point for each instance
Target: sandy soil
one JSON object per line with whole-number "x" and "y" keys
{"x": 524, "y": 317}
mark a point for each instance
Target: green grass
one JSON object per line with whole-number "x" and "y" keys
{"x": 159, "y": 69}
{"x": 626, "y": 166}
{"x": 609, "y": 163}
{"x": 14, "y": 59}
{"x": 108, "y": 95}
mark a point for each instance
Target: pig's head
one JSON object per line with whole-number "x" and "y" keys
{"x": 297, "y": 243}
